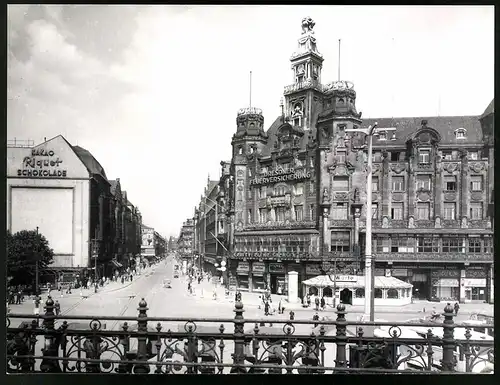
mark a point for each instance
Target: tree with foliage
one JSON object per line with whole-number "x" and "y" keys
{"x": 24, "y": 249}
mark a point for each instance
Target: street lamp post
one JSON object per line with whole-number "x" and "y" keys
{"x": 95, "y": 253}
{"x": 369, "y": 265}
{"x": 36, "y": 261}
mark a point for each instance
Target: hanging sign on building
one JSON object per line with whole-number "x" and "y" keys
{"x": 258, "y": 267}
{"x": 313, "y": 269}
{"x": 42, "y": 163}
{"x": 276, "y": 268}
{"x": 243, "y": 266}
{"x": 346, "y": 278}
{"x": 399, "y": 272}
{"x": 280, "y": 175}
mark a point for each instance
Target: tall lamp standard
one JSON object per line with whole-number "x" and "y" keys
{"x": 36, "y": 261}
{"x": 95, "y": 253}
{"x": 369, "y": 266}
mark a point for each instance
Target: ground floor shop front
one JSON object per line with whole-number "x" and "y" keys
{"x": 444, "y": 281}
{"x": 259, "y": 276}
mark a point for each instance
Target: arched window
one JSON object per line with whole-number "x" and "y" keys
{"x": 360, "y": 293}
{"x": 378, "y": 293}
{"x": 392, "y": 293}
{"x": 313, "y": 290}
{"x": 328, "y": 292}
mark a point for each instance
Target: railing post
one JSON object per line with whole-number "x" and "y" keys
{"x": 239, "y": 339}
{"x": 449, "y": 343}
{"x": 51, "y": 347}
{"x": 340, "y": 361}
{"x": 142, "y": 339}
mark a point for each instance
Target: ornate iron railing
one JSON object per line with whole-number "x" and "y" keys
{"x": 207, "y": 346}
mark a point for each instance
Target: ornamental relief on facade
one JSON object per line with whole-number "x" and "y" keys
{"x": 450, "y": 224}
{"x": 451, "y": 167}
{"x": 376, "y": 167}
{"x": 476, "y": 167}
{"x": 397, "y": 197}
{"x": 341, "y": 196}
{"x": 340, "y": 223}
{"x": 240, "y": 173}
{"x": 450, "y": 196}
{"x": 422, "y": 224}
{"x": 398, "y": 168}
{"x": 476, "y": 196}
{"x": 423, "y": 196}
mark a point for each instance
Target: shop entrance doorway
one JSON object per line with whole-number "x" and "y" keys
{"x": 277, "y": 284}
{"x": 346, "y": 296}
{"x": 421, "y": 287}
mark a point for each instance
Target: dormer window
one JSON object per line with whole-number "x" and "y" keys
{"x": 240, "y": 150}
{"x": 382, "y": 135}
{"x": 460, "y": 133}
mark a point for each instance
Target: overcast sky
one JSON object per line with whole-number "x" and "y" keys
{"x": 153, "y": 91}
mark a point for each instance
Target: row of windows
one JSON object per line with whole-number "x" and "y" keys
{"x": 424, "y": 182}
{"x": 423, "y": 211}
{"x": 273, "y": 245}
{"x": 423, "y": 155}
{"x": 280, "y": 214}
{"x": 471, "y": 245}
{"x": 298, "y": 189}
{"x": 341, "y": 242}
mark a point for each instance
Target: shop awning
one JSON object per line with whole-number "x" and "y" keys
{"x": 358, "y": 282}
{"x": 116, "y": 263}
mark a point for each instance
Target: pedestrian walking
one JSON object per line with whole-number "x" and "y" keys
{"x": 18, "y": 297}
{"x": 315, "y": 318}
{"x": 123, "y": 279}
{"x": 308, "y": 300}
{"x": 199, "y": 279}
{"x": 266, "y": 308}
{"x": 292, "y": 315}
{"x": 131, "y": 277}
{"x": 456, "y": 307}
{"x": 323, "y": 303}
{"x": 316, "y": 302}
{"x": 57, "y": 306}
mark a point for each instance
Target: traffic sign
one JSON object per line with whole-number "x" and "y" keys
{"x": 223, "y": 263}
{"x": 223, "y": 268}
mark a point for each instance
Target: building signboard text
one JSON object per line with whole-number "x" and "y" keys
{"x": 280, "y": 175}
{"x": 42, "y": 163}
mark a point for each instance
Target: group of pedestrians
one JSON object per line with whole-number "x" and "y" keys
{"x": 319, "y": 303}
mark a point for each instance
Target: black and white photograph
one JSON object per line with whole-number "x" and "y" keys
{"x": 249, "y": 189}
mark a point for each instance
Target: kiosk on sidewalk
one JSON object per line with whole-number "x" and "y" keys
{"x": 350, "y": 289}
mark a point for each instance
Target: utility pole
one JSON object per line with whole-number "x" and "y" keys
{"x": 36, "y": 260}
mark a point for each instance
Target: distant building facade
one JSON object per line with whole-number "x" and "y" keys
{"x": 185, "y": 242}
{"x": 64, "y": 191}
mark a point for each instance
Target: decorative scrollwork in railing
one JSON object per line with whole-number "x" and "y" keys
{"x": 205, "y": 346}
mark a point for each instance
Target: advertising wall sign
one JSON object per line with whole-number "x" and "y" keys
{"x": 42, "y": 163}
{"x": 279, "y": 175}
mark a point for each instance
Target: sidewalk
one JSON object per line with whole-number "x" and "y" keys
{"x": 418, "y": 307}
{"x": 68, "y": 301}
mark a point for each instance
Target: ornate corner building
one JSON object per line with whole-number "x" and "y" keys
{"x": 293, "y": 195}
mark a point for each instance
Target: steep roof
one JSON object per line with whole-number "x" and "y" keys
{"x": 444, "y": 125}
{"x": 114, "y": 184}
{"x": 489, "y": 110}
{"x": 91, "y": 163}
